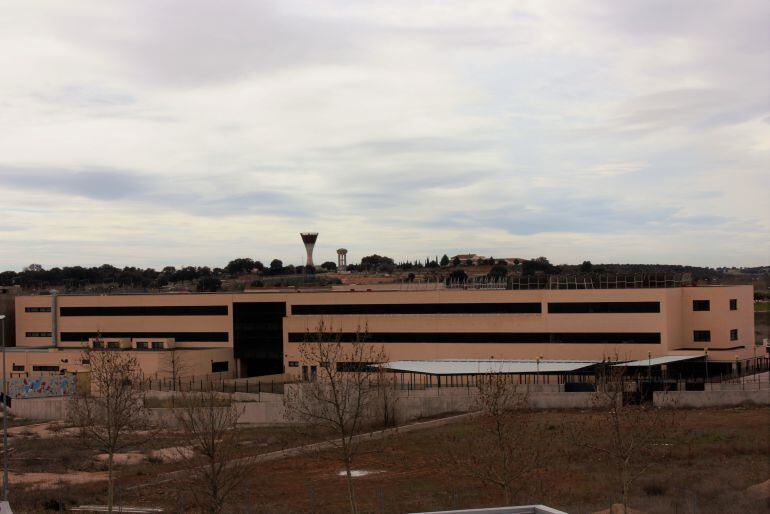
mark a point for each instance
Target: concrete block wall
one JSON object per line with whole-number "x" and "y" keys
{"x": 704, "y": 399}
{"x": 43, "y": 409}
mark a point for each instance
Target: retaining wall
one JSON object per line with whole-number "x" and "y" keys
{"x": 43, "y": 409}
{"x": 698, "y": 399}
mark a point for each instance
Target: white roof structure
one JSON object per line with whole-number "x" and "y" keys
{"x": 478, "y": 367}
{"x": 524, "y": 509}
{"x": 657, "y": 361}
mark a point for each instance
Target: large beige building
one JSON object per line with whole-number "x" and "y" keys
{"x": 258, "y": 333}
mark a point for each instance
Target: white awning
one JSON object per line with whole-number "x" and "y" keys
{"x": 479, "y": 367}
{"x": 657, "y": 361}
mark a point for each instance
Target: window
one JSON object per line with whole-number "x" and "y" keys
{"x": 98, "y": 344}
{"x": 293, "y": 364}
{"x": 38, "y": 334}
{"x": 734, "y": 334}
{"x": 141, "y": 345}
{"x": 418, "y": 308}
{"x": 147, "y": 310}
{"x": 113, "y": 345}
{"x": 352, "y": 367}
{"x": 17, "y": 367}
{"x": 733, "y": 304}
{"x": 37, "y": 309}
{"x": 157, "y": 345}
{"x": 220, "y": 367}
{"x": 85, "y": 362}
{"x": 701, "y": 305}
{"x": 493, "y": 337}
{"x": 701, "y": 336}
{"x": 182, "y": 337}
{"x": 603, "y": 307}
{"x": 45, "y": 368}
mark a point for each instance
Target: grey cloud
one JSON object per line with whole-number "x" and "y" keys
{"x": 163, "y": 192}
{"x": 743, "y": 24}
{"x": 697, "y": 108}
{"x": 581, "y": 215}
{"x": 188, "y": 42}
{"x": 255, "y": 202}
{"x": 95, "y": 183}
{"x": 413, "y": 145}
{"x": 85, "y": 95}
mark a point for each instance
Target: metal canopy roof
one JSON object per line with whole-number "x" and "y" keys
{"x": 657, "y": 361}
{"x": 477, "y": 367}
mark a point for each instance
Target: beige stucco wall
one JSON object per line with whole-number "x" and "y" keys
{"x": 152, "y": 362}
{"x": 719, "y": 319}
{"x": 675, "y": 322}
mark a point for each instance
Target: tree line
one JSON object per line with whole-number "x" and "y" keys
{"x": 206, "y": 278}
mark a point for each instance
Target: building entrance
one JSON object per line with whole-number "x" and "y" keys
{"x": 258, "y": 337}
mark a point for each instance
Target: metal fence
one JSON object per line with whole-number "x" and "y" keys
{"x": 254, "y": 385}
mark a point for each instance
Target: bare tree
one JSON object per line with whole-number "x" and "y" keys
{"x": 501, "y": 445}
{"x": 208, "y": 424}
{"x": 112, "y": 409}
{"x": 174, "y": 366}
{"x": 344, "y": 397}
{"x": 632, "y": 437}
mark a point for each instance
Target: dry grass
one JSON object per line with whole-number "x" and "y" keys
{"x": 726, "y": 452}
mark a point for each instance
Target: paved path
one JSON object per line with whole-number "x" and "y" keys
{"x": 324, "y": 445}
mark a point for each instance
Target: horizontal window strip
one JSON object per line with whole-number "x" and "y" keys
{"x": 180, "y": 337}
{"x": 37, "y": 309}
{"x": 147, "y": 310}
{"x": 488, "y": 337}
{"x": 38, "y": 334}
{"x": 419, "y": 308}
{"x": 603, "y": 307}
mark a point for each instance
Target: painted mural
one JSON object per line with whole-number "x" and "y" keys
{"x": 41, "y": 387}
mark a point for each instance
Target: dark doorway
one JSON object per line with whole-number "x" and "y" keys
{"x": 258, "y": 337}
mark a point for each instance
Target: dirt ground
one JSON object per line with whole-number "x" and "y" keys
{"x": 723, "y": 468}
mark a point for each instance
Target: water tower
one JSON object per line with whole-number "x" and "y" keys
{"x": 309, "y": 239}
{"x": 342, "y": 259}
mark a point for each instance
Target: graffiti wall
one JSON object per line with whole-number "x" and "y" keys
{"x": 41, "y": 387}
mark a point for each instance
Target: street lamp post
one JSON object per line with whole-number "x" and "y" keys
{"x": 5, "y": 414}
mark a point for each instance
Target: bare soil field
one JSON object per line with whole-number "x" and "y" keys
{"x": 723, "y": 467}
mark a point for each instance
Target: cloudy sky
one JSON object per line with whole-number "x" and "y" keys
{"x": 180, "y": 132}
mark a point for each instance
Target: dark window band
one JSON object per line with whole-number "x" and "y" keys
{"x": 491, "y": 337}
{"x": 180, "y": 337}
{"x": 147, "y": 310}
{"x": 45, "y": 368}
{"x": 38, "y": 334}
{"x": 602, "y": 307}
{"x": 37, "y": 309}
{"x": 419, "y": 308}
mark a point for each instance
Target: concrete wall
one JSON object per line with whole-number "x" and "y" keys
{"x": 703, "y": 399}
{"x": 43, "y": 409}
{"x": 262, "y": 412}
